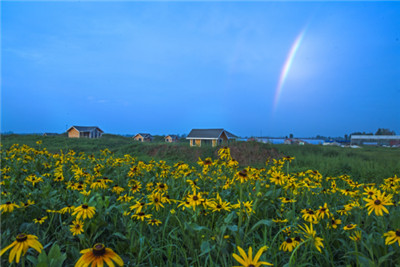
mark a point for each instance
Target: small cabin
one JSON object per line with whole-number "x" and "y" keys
{"x": 214, "y": 137}
{"x": 84, "y": 132}
{"x": 172, "y": 138}
{"x": 143, "y": 137}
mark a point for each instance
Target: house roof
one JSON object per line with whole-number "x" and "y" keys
{"x": 144, "y": 135}
{"x": 85, "y": 128}
{"x": 209, "y": 134}
{"x": 174, "y": 136}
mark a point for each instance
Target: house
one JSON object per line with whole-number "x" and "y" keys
{"x": 50, "y": 134}
{"x": 143, "y": 137}
{"x": 84, "y": 131}
{"x": 172, "y": 138}
{"x": 198, "y": 137}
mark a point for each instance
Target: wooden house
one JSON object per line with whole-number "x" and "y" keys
{"x": 199, "y": 137}
{"x": 84, "y": 131}
{"x": 143, "y": 137}
{"x": 172, "y": 138}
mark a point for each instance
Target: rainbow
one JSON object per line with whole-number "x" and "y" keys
{"x": 286, "y": 67}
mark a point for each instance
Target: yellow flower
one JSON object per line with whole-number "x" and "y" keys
{"x": 97, "y": 255}
{"x": 350, "y": 227}
{"x": 117, "y": 189}
{"x": 377, "y": 203}
{"x": 322, "y": 211}
{"x": 334, "y": 223}
{"x": 309, "y": 215}
{"x": 157, "y": 199}
{"x": 68, "y": 209}
{"x": 40, "y": 220}
{"x": 77, "y": 227}
{"x": 288, "y": 245}
{"x": 8, "y": 207}
{"x": 22, "y": 243}
{"x": 356, "y": 236}
{"x": 141, "y": 216}
{"x": 392, "y": 237}
{"x": 154, "y": 222}
{"x": 195, "y": 199}
{"x": 84, "y": 211}
{"x": 247, "y": 260}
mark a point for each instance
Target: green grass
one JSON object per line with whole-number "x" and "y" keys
{"x": 364, "y": 164}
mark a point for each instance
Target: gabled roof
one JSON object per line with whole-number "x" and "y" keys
{"x": 173, "y": 136}
{"x": 85, "y": 128}
{"x": 144, "y": 135}
{"x": 209, "y": 134}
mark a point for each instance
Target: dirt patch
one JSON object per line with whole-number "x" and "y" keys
{"x": 254, "y": 154}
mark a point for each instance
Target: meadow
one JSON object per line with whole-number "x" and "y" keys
{"x": 248, "y": 204}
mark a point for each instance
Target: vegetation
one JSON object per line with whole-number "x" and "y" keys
{"x": 365, "y": 164}
{"x": 76, "y": 209}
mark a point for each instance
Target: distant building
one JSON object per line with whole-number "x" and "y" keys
{"x": 294, "y": 141}
{"x": 172, "y": 138}
{"x": 143, "y": 137}
{"x": 84, "y": 131}
{"x": 199, "y": 137}
{"x": 50, "y": 134}
{"x": 379, "y": 140}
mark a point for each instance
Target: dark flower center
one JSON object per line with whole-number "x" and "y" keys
{"x": 289, "y": 240}
{"x": 349, "y": 226}
{"x": 162, "y": 186}
{"x": 77, "y": 226}
{"x": 141, "y": 213}
{"x": 99, "y": 249}
{"x": 251, "y": 265}
{"x": 195, "y": 198}
{"x": 398, "y": 233}
{"x": 142, "y": 204}
{"x": 156, "y": 200}
{"x": 323, "y": 209}
{"x": 370, "y": 193}
{"x": 377, "y": 202}
{"x": 297, "y": 239}
{"x": 310, "y": 212}
{"x": 219, "y": 206}
{"x": 243, "y": 173}
{"x": 8, "y": 203}
{"x": 84, "y": 206}
{"x": 22, "y": 237}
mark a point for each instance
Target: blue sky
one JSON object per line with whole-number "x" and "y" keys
{"x": 168, "y": 67}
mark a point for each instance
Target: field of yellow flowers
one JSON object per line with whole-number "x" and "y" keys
{"x": 69, "y": 209}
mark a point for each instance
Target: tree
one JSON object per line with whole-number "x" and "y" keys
{"x": 290, "y": 135}
{"x": 384, "y": 131}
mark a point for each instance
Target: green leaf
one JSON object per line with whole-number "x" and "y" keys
{"x": 205, "y": 248}
{"x": 385, "y": 258}
{"x": 229, "y": 218}
{"x": 54, "y": 252}
{"x": 120, "y": 235}
{"x": 259, "y": 223}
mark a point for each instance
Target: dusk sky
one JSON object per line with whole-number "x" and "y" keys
{"x": 252, "y": 68}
